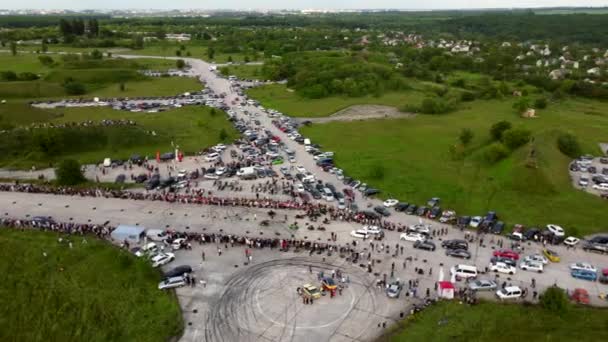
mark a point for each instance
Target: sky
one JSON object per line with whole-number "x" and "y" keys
{"x": 293, "y": 4}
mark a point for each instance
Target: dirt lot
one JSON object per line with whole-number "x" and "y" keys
{"x": 362, "y": 112}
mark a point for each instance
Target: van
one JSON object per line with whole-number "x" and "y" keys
{"x": 156, "y": 234}
{"x": 464, "y": 271}
{"x": 307, "y": 142}
{"x": 509, "y": 292}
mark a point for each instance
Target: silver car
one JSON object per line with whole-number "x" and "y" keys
{"x": 482, "y": 285}
{"x": 393, "y": 290}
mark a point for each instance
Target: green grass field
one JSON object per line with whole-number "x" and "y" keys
{"x": 159, "y": 86}
{"x": 453, "y": 322}
{"x": 92, "y": 292}
{"x": 192, "y": 128}
{"x": 417, "y": 162}
{"x": 277, "y": 96}
{"x": 23, "y": 62}
{"x": 253, "y": 72}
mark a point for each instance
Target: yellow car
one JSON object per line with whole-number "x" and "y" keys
{"x": 311, "y": 291}
{"x": 551, "y": 255}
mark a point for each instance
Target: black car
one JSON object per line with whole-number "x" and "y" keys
{"x": 120, "y": 178}
{"x": 531, "y": 233}
{"x": 178, "y": 271}
{"x": 422, "y": 211}
{"x": 426, "y": 245}
{"x": 463, "y": 221}
{"x": 316, "y": 194}
{"x": 434, "y": 213}
{"x": 595, "y": 247}
{"x": 603, "y": 239}
{"x": 455, "y": 244}
{"x": 433, "y": 202}
{"x": 141, "y": 178}
{"x": 152, "y": 184}
{"x": 498, "y": 227}
{"x": 458, "y": 253}
{"x": 507, "y": 261}
{"x": 382, "y": 211}
{"x": 411, "y": 209}
{"x": 371, "y": 192}
{"x": 401, "y": 206}
{"x": 592, "y": 169}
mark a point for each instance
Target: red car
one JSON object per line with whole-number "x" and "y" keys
{"x": 506, "y": 253}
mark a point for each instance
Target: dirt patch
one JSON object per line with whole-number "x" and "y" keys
{"x": 362, "y": 112}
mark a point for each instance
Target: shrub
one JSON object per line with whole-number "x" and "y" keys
{"x": 180, "y": 64}
{"x": 522, "y": 105}
{"x": 69, "y": 173}
{"x": 46, "y": 60}
{"x": 555, "y": 300}
{"x": 467, "y": 96}
{"x": 223, "y": 135}
{"x": 74, "y": 88}
{"x": 466, "y": 135}
{"x": 498, "y": 128}
{"x": 568, "y": 145}
{"x": 516, "y": 137}
{"x": 495, "y": 152}
{"x": 540, "y": 103}
{"x": 8, "y": 76}
{"x": 27, "y": 76}
{"x": 377, "y": 172}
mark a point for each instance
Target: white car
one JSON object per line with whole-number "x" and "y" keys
{"x": 220, "y": 147}
{"x": 509, "y": 292}
{"x": 372, "y": 230}
{"x": 211, "y": 157}
{"x": 420, "y": 228}
{"x": 536, "y": 258}
{"x": 182, "y": 184}
{"x": 182, "y": 174}
{"x": 475, "y": 221}
{"x": 532, "y": 266}
{"x": 292, "y": 159}
{"x": 601, "y": 186}
{"x": 391, "y": 202}
{"x": 220, "y": 171}
{"x": 556, "y": 230}
{"x": 177, "y": 243}
{"x": 211, "y": 176}
{"x": 583, "y": 181}
{"x": 585, "y": 266}
{"x": 171, "y": 283}
{"x": 413, "y": 237}
{"x": 359, "y": 234}
{"x": 300, "y": 188}
{"x": 503, "y": 268}
{"x": 162, "y": 259}
{"x": 341, "y": 204}
{"x": 300, "y": 169}
{"x": 571, "y": 241}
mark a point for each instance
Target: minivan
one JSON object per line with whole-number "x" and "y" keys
{"x": 464, "y": 271}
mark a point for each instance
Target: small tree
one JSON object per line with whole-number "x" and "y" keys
{"x": 210, "y": 52}
{"x": 13, "y": 48}
{"x": 212, "y": 112}
{"x": 377, "y": 172}
{"x": 516, "y": 137}
{"x": 74, "y": 88}
{"x": 540, "y": 103}
{"x": 45, "y": 48}
{"x": 495, "y": 152}
{"x": 568, "y": 145}
{"x": 121, "y": 86}
{"x": 69, "y": 173}
{"x": 498, "y": 128}
{"x": 466, "y": 135}
{"x": 521, "y": 105}
{"x": 555, "y": 300}
{"x": 45, "y": 60}
{"x": 229, "y": 59}
{"x": 223, "y": 135}
{"x": 246, "y": 59}
{"x": 180, "y": 64}
{"x": 96, "y": 54}
{"x": 178, "y": 53}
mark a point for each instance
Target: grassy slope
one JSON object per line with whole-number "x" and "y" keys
{"x": 252, "y": 72}
{"x": 276, "y": 96}
{"x": 502, "y": 322}
{"x": 159, "y": 86}
{"x": 92, "y": 292}
{"x": 415, "y": 154}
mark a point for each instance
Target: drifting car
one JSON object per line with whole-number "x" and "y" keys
{"x": 328, "y": 284}
{"x": 311, "y": 291}
{"x": 394, "y": 289}
{"x": 502, "y": 268}
{"x": 458, "y": 253}
{"x": 584, "y": 274}
{"x": 426, "y": 245}
{"x": 391, "y": 202}
{"x": 178, "y": 271}
{"x": 178, "y": 243}
{"x": 482, "y": 285}
{"x": 475, "y": 221}
{"x": 532, "y": 266}
{"x": 585, "y": 266}
{"x": 420, "y": 228}
{"x": 580, "y": 296}
{"x": 413, "y": 237}
{"x": 551, "y": 255}
{"x": 455, "y": 244}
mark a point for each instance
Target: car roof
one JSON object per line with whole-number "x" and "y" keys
{"x": 512, "y": 288}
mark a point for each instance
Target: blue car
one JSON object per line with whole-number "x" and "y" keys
{"x": 584, "y": 274}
